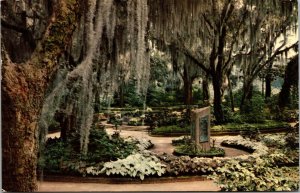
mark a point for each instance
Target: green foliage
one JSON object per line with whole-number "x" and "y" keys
{"x": 161, "y": 91}
{"x": 254, "y": 110}
{"x": 101, "y": 148}
{"x": 55, "y": 151}
{"x": 273, "y": 140}
{"x": 268, "y": 124}
{"x": 185, "y": 165}
{"x": 167, "y": 117}
{"x": 171, "y": 129}
{"x": 136, "y": 165}
{"x": 259, "y": 174}
{"x": 192, "y": 151}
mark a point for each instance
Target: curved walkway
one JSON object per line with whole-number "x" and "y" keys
{"x": 164, "y": 144}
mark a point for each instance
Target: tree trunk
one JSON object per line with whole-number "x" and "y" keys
{"x": 23, "y": 89}
{"x": 247, "y": 94}
{"x": 268, "y": 82}
{"x": 268, "y": 86}
{"x": 230, "y": 93}
{"x": 218, "y": 110}
{"x": 291, "y": 78}
{"x": 121, "y": 92}
{"x": 188, "y": 88}
{"x": 205, "y": 90}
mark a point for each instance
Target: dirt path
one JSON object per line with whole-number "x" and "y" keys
{"x": 175, "y": 186}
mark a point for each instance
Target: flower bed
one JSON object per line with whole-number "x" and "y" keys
{"x": 239, "y": 142}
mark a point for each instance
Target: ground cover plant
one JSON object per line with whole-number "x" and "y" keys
{"x": 167, "y": 130}
{"x": 259, "y": 174}
{"x": 135, "y": 165}
{"x": 192, "y": 151}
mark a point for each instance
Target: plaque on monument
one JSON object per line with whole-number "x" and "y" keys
{"x": 203, "y": 129}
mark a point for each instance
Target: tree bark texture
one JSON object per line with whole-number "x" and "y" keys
{"x": 268, "y": 82}
{"x": 23, "y": 88}
{"x": 218, "y": 110}
{"x": 188, "y": 88}
{"x": 247, "y": 94}
{"x": 205, "y": 89}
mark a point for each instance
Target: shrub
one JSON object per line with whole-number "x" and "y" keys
{"x": 101, "y": 148}
{"x": 192, "y": 151}
{"x": 54, "y": 151}
{"x": 171, "y": 129}
{"x": 254, "y": 110}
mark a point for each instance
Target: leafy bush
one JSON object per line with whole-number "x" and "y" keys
{"x": 55, "y": 151}
{"x": 101, "y": 148}
{"x": 167, "y": 117}
{"x": 254, "y": 110}
{"x": 268, "y": 124}
{"x": 171, "y": 129}
{"x": 136, "y": 165}
{"x": 256, "y": 175}
{"x": 192, "y": 151}
{"x": 185, "y": 165}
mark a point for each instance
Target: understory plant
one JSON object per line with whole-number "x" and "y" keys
{"x": 62, "y": 156}
{"x": 257, "y": 148}
{"x": 136, "y": 165}
{"x": 256, "y": 174}
{"x": 191, "y": 150}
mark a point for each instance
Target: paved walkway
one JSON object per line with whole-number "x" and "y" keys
{"x": 176, "y": 186}
{"x": 164, "y": 144}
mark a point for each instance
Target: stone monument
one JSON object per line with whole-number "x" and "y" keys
{"x": 200, "y": 131}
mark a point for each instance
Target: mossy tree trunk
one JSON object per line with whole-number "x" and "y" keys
{"x": 23, "y": 89}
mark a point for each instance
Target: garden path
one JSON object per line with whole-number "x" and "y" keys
{"x": 207, "y": 185}
{"x": 164, "y": 144}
